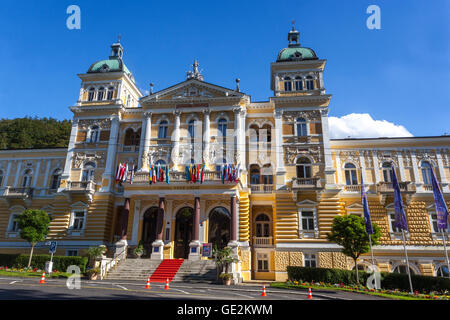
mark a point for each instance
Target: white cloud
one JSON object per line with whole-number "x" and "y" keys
{"x": 362, "y": 125}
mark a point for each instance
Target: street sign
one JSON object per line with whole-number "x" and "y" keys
{"x": 207, "y": 250}
{"x": 52, "y": 247}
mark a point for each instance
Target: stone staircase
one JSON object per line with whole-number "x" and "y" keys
{"x": 141, "y": 269}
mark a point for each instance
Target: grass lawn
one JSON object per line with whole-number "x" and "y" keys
{"x": 330, "y": 288}
{"x": 33, "y": 274}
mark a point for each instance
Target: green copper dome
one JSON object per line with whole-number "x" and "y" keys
{"x": 299, "y": 53}
{"x": 110, "y": 65}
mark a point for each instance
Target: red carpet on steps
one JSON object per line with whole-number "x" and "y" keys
{"x": 166, "y": 270}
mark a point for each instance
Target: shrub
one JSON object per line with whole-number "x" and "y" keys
{"x": 333, "y": 276}
{"x": 38, "y": 261}
{"x": 420, "y": 283}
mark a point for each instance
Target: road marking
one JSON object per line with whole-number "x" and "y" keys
{"x": 122, "y": 287}
{"x": 14, "y": 282}
{"x": 181, "y": 291}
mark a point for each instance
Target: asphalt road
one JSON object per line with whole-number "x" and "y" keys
{"x": 56, "y": 289}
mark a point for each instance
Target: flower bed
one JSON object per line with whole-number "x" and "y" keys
{"x": 30, "y": 272}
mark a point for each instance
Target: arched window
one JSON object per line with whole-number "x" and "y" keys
{"x": 254, "y": 134}
{"x": 403, "y": 269}
{"x": 262, "y": 226}
{"x": 161, "y": 162}
{"x": 426, "y": 172}
{"x": 91, "y": 94}
{"x": 222, "y": 127}
{"x": 351, "y": 177}
{"x": 255, "y": 174}
{"x": 1, "y": 177}
{"x": 132, "y": 138}
{"x": 100, "y": 94}
{"x": 162, "y": 130}
{"x": 309, "y": 83}
{"x": 268, "y": 132}
{"x": 442, "y": 271}
{"x": 301, "y": 127}
{"x": 27, "y": 177}
{"x": 298, "y": 83}
{"x": 387, "y": 172}
{"x": 219, "y": 227}
{"x": 110, "y": 93}
{"x": 191, "y": 128}
{"x": 128, "y": 100}
{"x": 287, "y": 84}
{"x": 56, "y": 179}
{"x": 304, "y": 168}
{"x": 94, "y": 134}
{"x": 88, "y": 172}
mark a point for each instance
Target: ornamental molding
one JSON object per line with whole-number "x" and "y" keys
{"x": 291, "y": 116}
{"x": 81, "y": 157}
{"x": 103, "y": 124}
{"x": 156, "y": 153}
{"x": 291, "y": 153}
{"x": 350, "y": 156}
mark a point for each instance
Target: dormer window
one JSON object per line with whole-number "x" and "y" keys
{"x": 100, "y": 94}
{"x": 110, "y": 93}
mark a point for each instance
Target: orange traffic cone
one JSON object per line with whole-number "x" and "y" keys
{"x": 42, "y": 278}
{"x": 309, "y": 293}
{"x": 147, "y": 286}
{"x": 167, "y": 284}
{"x": 264, "y": 291}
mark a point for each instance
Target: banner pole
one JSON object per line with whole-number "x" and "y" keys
{"x": 407, "y": 262}
{"x": 371, "y": 252}
{"x": 446, "y": 254}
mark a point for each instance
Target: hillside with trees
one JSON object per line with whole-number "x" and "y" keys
{"x": 26, "y": 133}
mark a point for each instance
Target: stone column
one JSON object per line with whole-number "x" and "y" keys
{"x": 158, "y": 244}
{"x": 194, "y": 252}
{"x": 46, "y": 176}
{"x": 176, "y": 138}
{"x": 6, "y": 177}
{"x": 122, "y": 244}
{"x": 401, "y": 167}
{"x": 136, "y": 218}
{"x": 68, "y": 165}
{"x": 440, "y": 165}
{"x": 111, "y": 154}
{"x": 329, "y": 170}
{"x": 145, "y": 141}
{"x": 206, "y": 136}
{"x": 16, "y": 180}
{"x": 234, "y": 244}
{"x": 237, "y": 134}
{"x": 280, "y": 171}
{"x": 242, "y": 146}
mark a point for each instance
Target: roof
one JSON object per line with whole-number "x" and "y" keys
{"x": 110, "y": 65}
{"x": 296, "y": 53}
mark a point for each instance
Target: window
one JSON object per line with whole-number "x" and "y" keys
{"x": 132, "y": 138}
{"x": 351, "y": 178}
{"x": 1, "y": 177}
{"x": 78, "y": 218}
{"x": 222, "y": 127}
{"x": 310, "y": 260}
{"x": 27, "y": 176}
{"x": 72, "y": 253}
{"x": 91, "y": 94}
{"x": 303, "y": 168}
{"x": 402, "y": 269}
{"x": 298, "y": 84}
{"x": 56, "y": 179}
{"x": 191, "y": 128}
{"x": 307, "y": 220}
{"x": 110, "y": 93}
{"x": 301, "y": 127}
{"x": 88, "y": 171}
{"x": 434, "y": 223}
{"x": 442, "y": 271}
{"x": 100, "y": 94}
{"x": 391, "y": 216}
{"x": 266, "y": 130}
{"x": 13, "y": 224}
{"x": 162, "y": 130}
{"x": 426, "y": 172}
{"x": 309, "y": 83}
{"x": 255, "y": 174}
{"x": 262, "y": 225}
{"x": 387, "y": 172}
{"x": 161, "y": 162}
{"x": 287, "y": 84}
{"x": 94, "y": 134}
{"x": 267, "y": 174}
{"x": 263, "y": 262}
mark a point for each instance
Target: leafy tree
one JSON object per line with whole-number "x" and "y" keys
{"x": 350, "y": 232}
{"x": 33, "y": 225}
{"x": 223, "y": 258}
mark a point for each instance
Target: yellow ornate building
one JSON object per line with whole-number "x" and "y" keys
{"x": 293, "y": 179}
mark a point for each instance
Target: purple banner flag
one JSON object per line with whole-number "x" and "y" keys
{"x": 367, "y": 220}
{"x": 441, "y": 206}
{"x": 400, "y": 217}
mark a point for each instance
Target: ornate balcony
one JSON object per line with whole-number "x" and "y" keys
{"x": 352, "y": 188}
{"x": 180, "y": 177}
{"x": 261, "y": 188}
{"x": 306, "y": 183}
{"x": 18, "y": 193}
{"x": 387, "y": 187}
{"x": 262, "y": 241}
{"x": 81, "y": 186}
{"x": 130, "y": 149}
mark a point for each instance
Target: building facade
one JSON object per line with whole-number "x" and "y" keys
{"x": 291, "y": 179}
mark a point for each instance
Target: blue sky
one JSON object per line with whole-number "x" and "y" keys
{"x": 400, "y": 73}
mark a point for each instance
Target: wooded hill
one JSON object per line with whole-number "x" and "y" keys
{"x": 26, "y": 133}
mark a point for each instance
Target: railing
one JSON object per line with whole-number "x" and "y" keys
{"x": 109, "y": 263}
{"x": 352, "y": 188}
{"x": 82, "y": 186}
{"x": 130, "y": 148}
{"x": 305, "y": 183}
{"x": 261, "y": 188}
{"x": 428, "y": 187}
{"x": 179, "y": 176}
{"x": 387, "y": 187}
{"x": 262, "y": 241}
{"x": 25, "y": 192}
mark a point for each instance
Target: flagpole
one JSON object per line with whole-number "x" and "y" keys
{"x": 371, "y": 252}
{"x": 446, "y": 254}
{"x": 407, "y": 261}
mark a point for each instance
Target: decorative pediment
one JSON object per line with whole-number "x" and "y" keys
{"x": 306, "y": 203}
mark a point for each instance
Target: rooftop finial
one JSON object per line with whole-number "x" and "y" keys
{"x": 119, "y": 38}
{"x": 293, "y": 25}
{"x": 194, "y": 74}
{"x": 294, "y": 37}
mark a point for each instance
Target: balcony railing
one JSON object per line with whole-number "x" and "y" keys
{"x": 305, "y": 183}
{"x": 387, "y": 187}
{"x": 83, "y": 186}
{"x": 352, "y": 188}
{"x": 261, "y": 188}
{"x": 25, "y": 192}
{"x": 262, "y": 241}
{"x": 180, "y": 177}
{"x": 130, "y": 148}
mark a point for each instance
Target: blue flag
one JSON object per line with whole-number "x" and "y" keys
{"x": 400, "y": 217}
{"x": 367, "y": 220}
{"x": 441, "y": 206}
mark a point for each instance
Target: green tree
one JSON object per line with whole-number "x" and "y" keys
{"x": 349, "y": 231}
{"x": 33, "y": 225}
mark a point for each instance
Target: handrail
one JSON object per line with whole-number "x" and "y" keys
{"x": 109, "y": 263}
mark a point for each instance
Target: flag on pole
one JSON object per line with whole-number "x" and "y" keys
{"x": 167, "y": 174}
{"x": 365, "y": 203}
{"x": 441, "y": 206}
{"x": 400, "y": 217}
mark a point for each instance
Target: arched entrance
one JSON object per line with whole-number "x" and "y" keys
{"x": 149, "y": 230}
{"x": 219, "y": 227}
{"x": 183, "y": 232}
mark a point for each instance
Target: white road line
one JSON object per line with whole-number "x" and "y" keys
{"x": 180, "y": 291}
{"x": 14, "y": 281}
{"x": 122, "y": 287}
{"x": 242, "y": 295}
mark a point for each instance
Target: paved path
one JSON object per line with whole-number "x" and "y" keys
{"x": 56, "y": 289}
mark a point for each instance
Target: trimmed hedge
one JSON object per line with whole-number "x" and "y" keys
{"x": 60, "y": 263}
{"x": 388, "y": 280}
